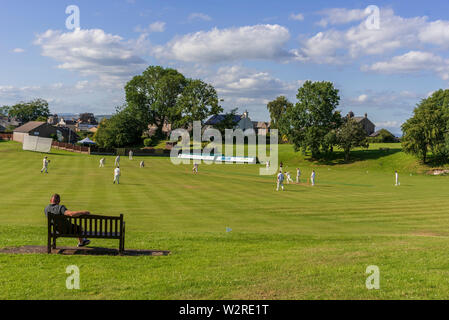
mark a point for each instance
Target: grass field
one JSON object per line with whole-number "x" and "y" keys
{"x": 304, "y": 243}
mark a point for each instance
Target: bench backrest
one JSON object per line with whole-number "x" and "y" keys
{"x": 85, "y": 226}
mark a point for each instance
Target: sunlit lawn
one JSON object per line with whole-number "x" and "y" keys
{"x": 304, "y": 243}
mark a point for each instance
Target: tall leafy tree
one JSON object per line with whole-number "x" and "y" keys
{"x": 278, "y": 108}
{"x": 152, "y": 96}
{"x": 351, "y": 135}
{"x": 314, "y": 115}
{"x": 197, "y": 102}
{"x": 414, "y": 138}
{"x": 118, "y": 131}
{"x": 30, "y": 111}
{"x": 427, "y": 130}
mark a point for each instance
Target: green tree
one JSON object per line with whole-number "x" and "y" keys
{"x": 228, "y": 122}
{"x": 30, "y": 111}
{"x": 42, "y": 119}
{"x": 314, "y": 115}
{"x": 351, "y": 135}
{"x": 427, "y": 130}
{"x": 152, "y": 97}
{"x": 4, "y": 111}
{"x": 119, "y": 131}
{"x": 278, "y": 108}
{"x": 197, "y": 102}
{"x": 414, "y": 138}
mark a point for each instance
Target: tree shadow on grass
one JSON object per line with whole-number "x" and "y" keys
{"x": 338, "y": 157}
{"x": 435, "y": 162}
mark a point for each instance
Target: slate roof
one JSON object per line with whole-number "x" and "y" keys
{"x": 215, "y": 119}
{"x": 29, "y": 126}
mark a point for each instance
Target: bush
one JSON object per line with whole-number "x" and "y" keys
{"x": 151, "y": 141}
{"x": 384, "y": 137}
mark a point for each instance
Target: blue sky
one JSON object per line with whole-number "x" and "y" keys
{"x": 251, "y": 51}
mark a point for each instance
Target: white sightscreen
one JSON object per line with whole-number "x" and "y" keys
{"x": 38, "y": 144}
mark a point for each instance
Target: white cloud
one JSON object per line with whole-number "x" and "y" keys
{"x": 81, "y": 84}
{"x": 243, "y": 85}
{"x": 388, "y": 125}
{"x": 322, "y": 48}
{"x": 412, "y": 62}
{"x": 297, "y": 17}
{"x": 94, "y": 53}
{"x": 436, "y": 32}
{"x": 337, "y": 16}
{"x": 18, "y": 50}
{"x": 342, "y": 46}
{"x": 362, "y": 98}
{"x": 91, "y": 97}
{"x": 218, "y": 45}
{"x": 199, "y": 16}
{"x": 157, "y": 26}
{"x": 57, "y": 85}
{"x": 250, "y": 89}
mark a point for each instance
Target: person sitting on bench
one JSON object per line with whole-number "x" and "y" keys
{"x": 56, "y": 209}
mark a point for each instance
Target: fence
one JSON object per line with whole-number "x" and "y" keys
{"x": 6, "y": 136}
{"x": 94, "y": 150}
{"x": 70, "y": 147}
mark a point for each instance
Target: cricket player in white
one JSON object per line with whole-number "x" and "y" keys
{"x": 117, "y": 175}
{"x": 131, "y": 153}
{"x": 396, "y": 175}
{"x": 268, "y": 164}
{"x": 289, "y": 178}
{"x": 312, "y": 178}
{"x": 280, "y": 181}
{"x": 102, "y": 162}
{"x": 117, "y": 161}
{"x": 45, "y": 165}
{"x": 298, "y": 175}
{"x": 142, "y": 164}
{"x": 195, "y": 168}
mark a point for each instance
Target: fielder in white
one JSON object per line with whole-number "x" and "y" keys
{"x": 102, "y": 162}
{"x": 396, "y": 175}
{"x": 268, "y": 164}
{"x": 298, "y": 175}
{"x": 280, "y": 181}
{"x": 117, "y": 175}
{"x": 289, "y": 178}
{"x": 131, "y": 153}
{"x": 117, "y": 161}
{"x": 195, "y": 168}
{"x": 45, "y": 165}
{"x": 312, "y": 178}
{"x": 142, "y": 164}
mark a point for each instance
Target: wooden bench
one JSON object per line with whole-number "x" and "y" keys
{"x": 88, "y": 226}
